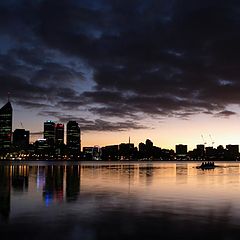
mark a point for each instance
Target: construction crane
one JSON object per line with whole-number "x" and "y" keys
{"x": 204, "y": 142}
{"x": 211, "y": 139}
{"x": 21, "y": 125}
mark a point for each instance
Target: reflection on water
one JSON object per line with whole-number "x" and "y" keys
{"x": 4, "y": 192}
{"x": 119, "y": 201}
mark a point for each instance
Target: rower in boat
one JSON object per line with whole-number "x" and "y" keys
{"x": 207, "y": 165}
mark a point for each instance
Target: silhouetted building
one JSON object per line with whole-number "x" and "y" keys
{"x": 41, "y": 147}
{"x": 200, "y": 150}
{"x": 149, "y": 145}
{"x": 142, "y": 150}
{"x": 6, "y": 127}
{"x": 21, "y": 138}
{"x": 221, "y": 152}
{"x": 59, "y": 139}
{"x": 49, "y": 132}
{"x": 88, "y": 153}
{"x": 73, "y": 138}
{"x": 96, "y": 153}
{"x": 181, "y": 150}
{"x": 232, "y": 151}
{"x": 167, "y": 154}
{"x": 210, "y": 152}
{"x": 59, "y": 134}
{"x": 110, "y": 152}
{"x": 142, "y": 147}
{"x": 87, "y": 150}
{"x": 149, "y": 148}
{"x": 126, "y": 150}
{"x": 157, "y": 153}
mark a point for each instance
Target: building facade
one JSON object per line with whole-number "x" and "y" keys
{"x": 21, "y": 138}
{"x": 49, "y": 132}
{"x": 73, "y": 138}
{"x": 6, "y": 127}
{"x": 59, "y": 134}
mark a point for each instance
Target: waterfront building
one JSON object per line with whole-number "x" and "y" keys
{"x": 21, "y": 138}
{"x": 200, "y": 150}
{"x": 87, "y": 150}
{"x": 149, "y": 148}
{"x": 142, "y": 147}
{"x": 126, "y": 150}
{"x": 73, "y": 138}
{"x": 59, "y": 134}
{"x": 96, "y": 153}
{"x": 210, "y": 152}
{"x": 110, "y": 152}
{"x": 49, "y": 132}
{"x": 41, "y": 147}
{"x": 232, "y": 151}
{"x": 6, "y": 127}
{"x": 181, "y": 150}
{"x": 88, "y": 153}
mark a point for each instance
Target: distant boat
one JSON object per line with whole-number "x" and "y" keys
{"x": 206, "y": 165}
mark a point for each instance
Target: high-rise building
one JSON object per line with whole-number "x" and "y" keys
{"x": 149, "y": 148}
{"x": 73, "y": 138}
{"x": 200, "y": 150}
{"x": 41, "y": 146}
{"x": 21, "y": 138}
{"x": 49, "y": 132}
{"x": 59, "y": 134}
{"x": 126, "y": 150}
{"x": 232, "y": 150}
{"x": 181, "y": 150}
{"x": 6, "y": 127}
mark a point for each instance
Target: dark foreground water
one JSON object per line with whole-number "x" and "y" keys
{"x": 119, "y": 201}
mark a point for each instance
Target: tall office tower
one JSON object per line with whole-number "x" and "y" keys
{"x": 73, "y": 138}
{"x": 59, "y": 134}
{"x": 49, "y": 132}
{"x": 149, "y": 148}
{"x": 6, "y": 127}
{"x": 200, "y": 150}
{"x": 21, "y": 138}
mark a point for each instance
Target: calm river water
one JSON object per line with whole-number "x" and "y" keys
{"x": 89, "y": 201}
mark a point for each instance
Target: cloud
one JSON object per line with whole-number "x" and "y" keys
{"x": 38, "y": 78}
{"x": 96, "y": 124}
{"x": 161, "y": 58}
{"x": 225, "y": 113}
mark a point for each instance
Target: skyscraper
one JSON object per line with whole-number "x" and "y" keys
{"x": 49, "y": 132}
{"x": 5, "y": 127}
{"x": 73, "y": 138}
{"x": 59, "y": 134}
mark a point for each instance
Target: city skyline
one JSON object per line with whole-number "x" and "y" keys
{"x": 58, "y": 144}
{"x": 206, "y": 140}
{"x": 165, "y": 70}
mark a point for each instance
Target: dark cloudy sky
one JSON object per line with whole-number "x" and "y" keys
{"x": 163, "y": 69}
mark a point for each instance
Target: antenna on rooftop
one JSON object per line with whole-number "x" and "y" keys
{"x": 8, "y": 96}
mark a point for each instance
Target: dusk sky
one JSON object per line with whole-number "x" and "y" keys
{"x": 167, "y": 70}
